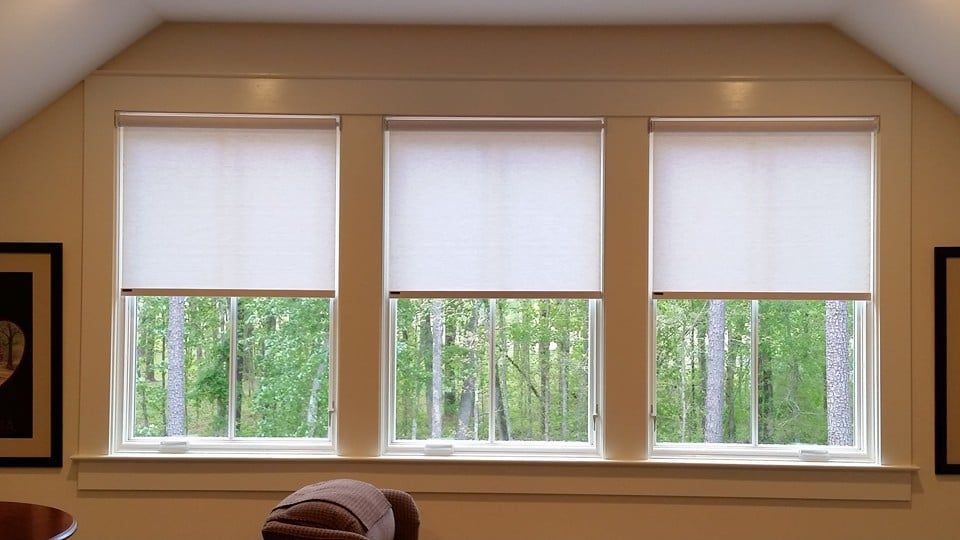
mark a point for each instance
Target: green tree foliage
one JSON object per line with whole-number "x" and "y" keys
{"x": 541, "y": 370}
{"x": 282, "y": 366}
{"x": 791, "y": 378}
{"x": 539, "y": 363}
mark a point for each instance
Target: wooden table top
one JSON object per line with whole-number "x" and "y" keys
{"x": 25, "y": 521}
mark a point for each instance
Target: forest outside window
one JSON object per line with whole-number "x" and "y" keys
{"x": 226, "y": 282}
{"x": 494, "y": 235}
{"x": 762, "y": 263}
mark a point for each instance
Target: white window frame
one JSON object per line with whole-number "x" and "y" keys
{"x": 864, "y": 404}
{"x": 123, "y": 384}
{"x": 866, "y": 387}
{"x": 491, "y": 448}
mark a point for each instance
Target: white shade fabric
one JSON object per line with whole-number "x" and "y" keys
{"x": 229, "y": 208}
{"x": 497, "y": 212}
{"x": 740, "y": 212}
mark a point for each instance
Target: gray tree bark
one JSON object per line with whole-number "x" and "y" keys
{"x": 313, "y": 403}
{"x": 425, "y": 354}
{"x": 564, "y": 347}
{"x": 176, "y": 397}
{"x": 839, "y": 412}
{"x": 713, "y": 417}
{"x": 436, "y": 391}
{"x": 469, "y": 390}
{"x": 543, "y": 348}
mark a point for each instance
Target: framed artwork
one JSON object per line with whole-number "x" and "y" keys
{"x": 31, "y": 348}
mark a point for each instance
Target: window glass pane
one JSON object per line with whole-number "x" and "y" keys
{"x": 182, "y": 361}
{"x": 703, "y": 356}
{"x": 806, "y": 372}
{"x": 543, "y": 369}
{"x": 442, "y": 369}
{"x": 283, "y": 366}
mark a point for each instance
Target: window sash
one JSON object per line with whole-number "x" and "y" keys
{"x": 491, "y": 445}
{"x": 864, "y": 430}
{"x": 129, "y": 442}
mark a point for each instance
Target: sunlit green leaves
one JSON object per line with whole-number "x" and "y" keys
{"x": 281, "y": 366}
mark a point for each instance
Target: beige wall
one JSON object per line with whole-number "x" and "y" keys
{"x": 41, "y": 186}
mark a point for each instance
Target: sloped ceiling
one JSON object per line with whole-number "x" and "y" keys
{"x": 46, "y": 46}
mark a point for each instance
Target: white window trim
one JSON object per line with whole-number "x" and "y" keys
{"x": 626, "y": 465}
{"x": 123, "y": 378}
{"x": 866, "y": 391}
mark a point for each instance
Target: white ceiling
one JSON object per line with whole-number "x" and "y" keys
{"x": 47, "y": 46}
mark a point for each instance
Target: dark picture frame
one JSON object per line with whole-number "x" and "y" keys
{"x": 31, "y": 354}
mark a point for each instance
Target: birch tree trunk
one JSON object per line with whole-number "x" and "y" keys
{"x": 176, "y": 402}
{"x": 713, "y": 416}
{"x": 436, "y": 391}
{"x": 839, "y": 417}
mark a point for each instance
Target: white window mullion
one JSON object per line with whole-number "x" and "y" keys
{"x": 754, "y": 373}
{"x": 130, "y": 374}
{"x": 232, "y": 374}
{"x": 861, "y": 411}
{"x": 331, "y": 370}
{"x": 492, "y": 370}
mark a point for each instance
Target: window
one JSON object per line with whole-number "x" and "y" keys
{"x": 494, "y": 230}
{"x": 226, "y": 280}
{"x": 762, "y": 261}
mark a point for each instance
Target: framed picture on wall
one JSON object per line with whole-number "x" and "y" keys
{"x": 947, "y": 358}
{"x": 31, "y": 348}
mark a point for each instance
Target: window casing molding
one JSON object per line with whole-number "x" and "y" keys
{"x": 626, "y": 207}
{"x": 123, "y": 342}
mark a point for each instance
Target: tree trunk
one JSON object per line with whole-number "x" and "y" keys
{"x": 436, "y": 391}
{"x": 500, "y": 401}
{"x": 839, "y": 417}
{"x": 730, "y": 406}
{"x": 176, "y": 403}
{"x": 314, "y": 402}
{"x": 425, "y": 348}
{"x": 564, "y": 349}
{"x": 469, "y": 391}
{"x": 503, "y": 421}
{"x": 713, "y": 417}
{"x": 544, "y": 353}
{"x": 765, "y": 399}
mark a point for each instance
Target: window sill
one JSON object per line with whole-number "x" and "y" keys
{"x": 493, "y": 475}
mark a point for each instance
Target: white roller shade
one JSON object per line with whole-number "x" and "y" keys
{"x": 499, "y": 209}
{"x": 229, "y": 208}
{"x": 752, "y": 212}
